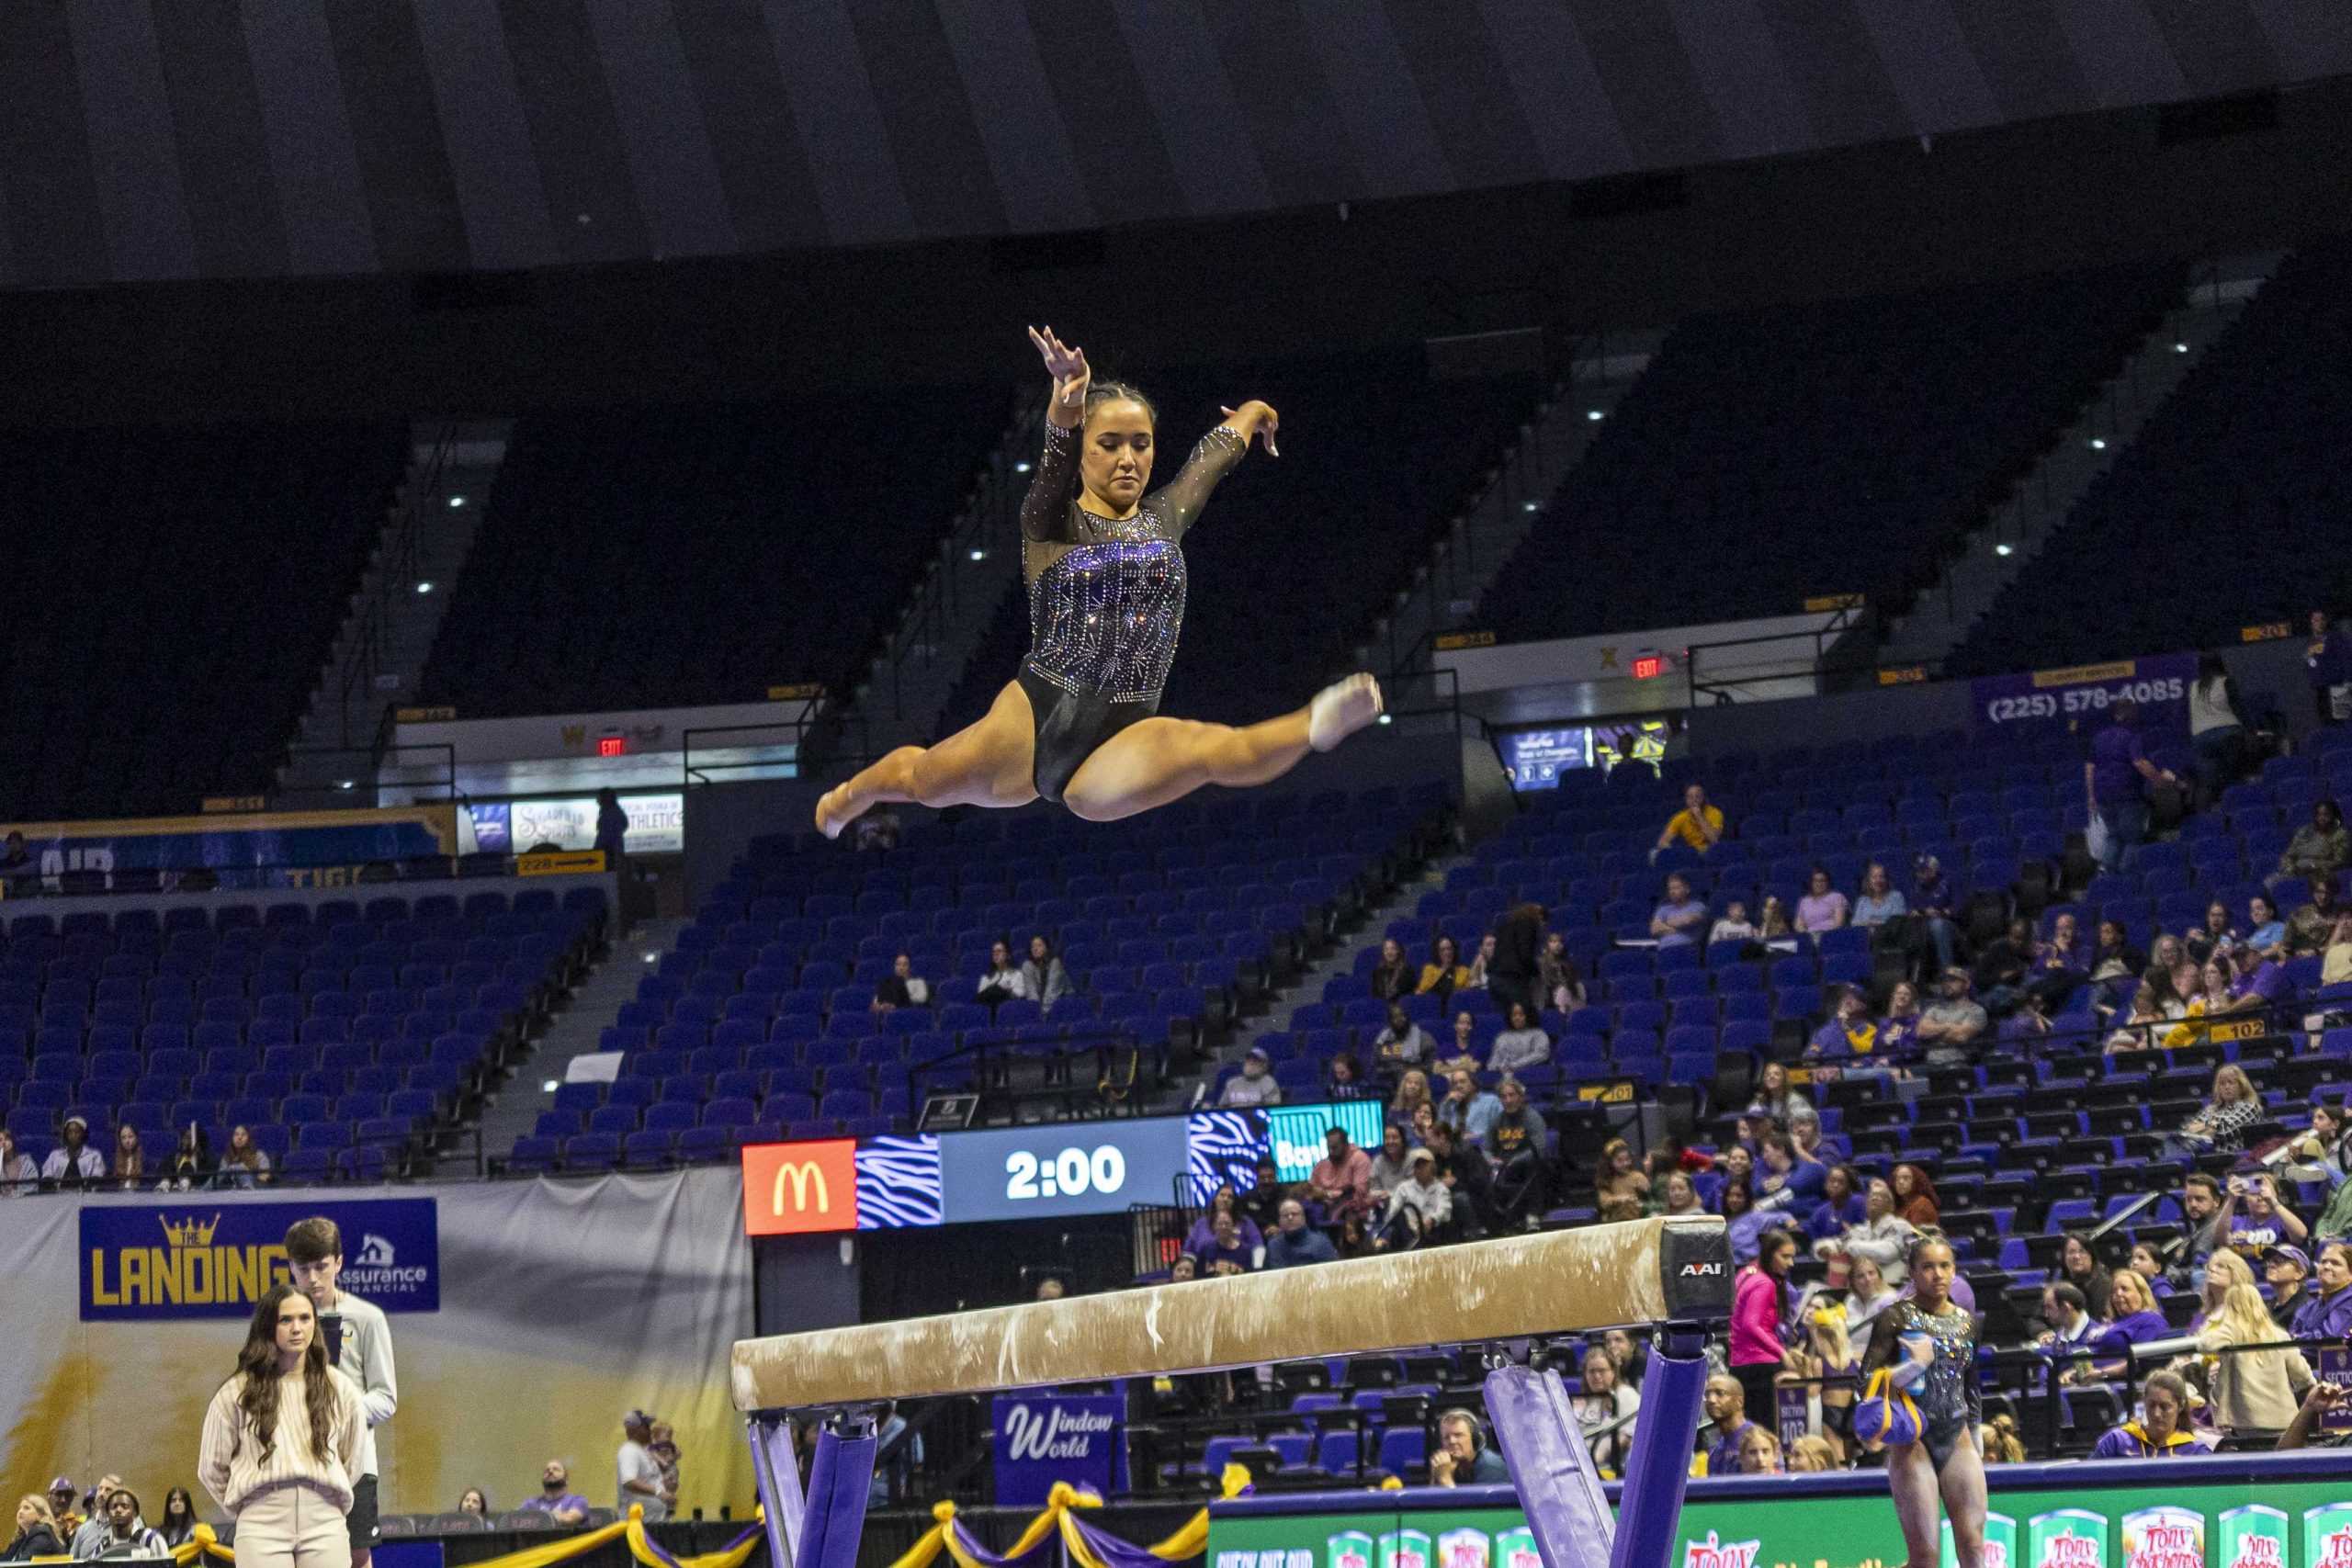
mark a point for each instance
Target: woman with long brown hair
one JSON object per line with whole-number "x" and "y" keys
{"x": 281, "y": 1441}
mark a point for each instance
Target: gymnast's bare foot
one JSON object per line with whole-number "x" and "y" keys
{"x": 834, "y": 812}
{"x": 1339, "y": 711}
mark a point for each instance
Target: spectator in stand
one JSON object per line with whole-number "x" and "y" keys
{"x": 1758, "y": 1302}
{"x": 2327, "y": 1313}
{"x": 664, "y": 1448}
{"x": 178, "y": 1527}
{"x": 1520, "y": 1045}
{"x": 1898, "y": 1032}
{"x": 1514, "y": 952}
{"x": 1556, "y": 972}
{"x": 2060, "y": 965}
{"x": 1743, "y": 1222}
{"x": 1851, "y": 1033}
{"x": 1186, "y": 1267}
{"x": 1952, "y": 1024}
{"x": 1621, "y": 1176}
{"x": 1869, "y": 1293}
{"x": 2255, "y": 1217}
{"x": 2161, "y": 1430}
{"x": 1443, "y": 973}
{"x": 2002, "y": 969}
{"x": 1790, "y": 1184}
{"x": 1421, "y": 1207}
{"x": 37, "y": 1533}
{"x": 1262, "y": 1205}
{"x": 19, "y": 1174}
{"x": 2234, "y": 1107}
{"x": 1412, "y": 1098}
{"x": 1772, "y": 923}
{"x": 68, "y": 1518}
{"x": 1049, "y": 980}
{"x": 1679, "y": 919}
{"x": 1516, "y": 1144}
{"x": 91, "y": 1534}
{"x": 2287, "y": 1271}
{"x": 2078, "y": 1266}
{"x": 1679, "y": 1195}
{"x": 74, "y": 1163}
{"x": 2154, "y": 1006}
{"x": 2251, "y": 1390}
{"x": 1823, "y": 907}
{"x": 475, "y": 1501}
{"x": 1403, "y": 1043}
{"x": 2312, "y": 927}
{"x": 556, "y": 1498}
{"x": 1224, "y": 1201}
{"x": 245, "y": 1164}
{"x": 1467, "y": 1177}
{"x": 192, "y": 1165}
{"x": 2266, "y": 932}
{"x": 2137, "y": 1322}
{"x": 1468, "y": 1110}
{"x": 1933, "y": 901}
{"x": 1811, "y": 1455}
{"x": 1735, "y": 925}
{"x": 1004, "y": 982}
{"x": 1343, "y": 1079}
{"x": 1698, "y": 825}
{"x": 129, "y": 1170}
{"x": 2202, "y": 991}
{"x": 1479, "y": 979}
{"x": 1843, "y": 1203}
{"x": 1253, "y": 1086}
{"x": 2201, "y": 1206}
{"x": 1391, "y": 977}
{"x": 902, "y": 987}
{"x": 2216, "y": 935}
{"x": 2336, "y": 966}
{"x": 1736, "y": 1159}
{"x": 1392, "y": 1166}
{"x": 1342, "y": 1180}
{"x": 1881, "y": 900}
{"x": 1463, "y": 1458}
{"x": 2327, "y": 656}
{"x": 1603, "y": 1398}
{"x": 2115, "y": 784}
{"x": 1774, "y": 1097}
{"x": 1461, "y": 1049}
{"x": 2215, "y": 729}
{"x": 1914, "y": 1197}
{"x": 2115, "y": 966}
{"x": 2321, "y": 846}
{"x": 1726, "y": 1403}
{"x": 2149, "y": 1265}
{"x": 1880, "y": 1236}
{"x": 638, "y": 1473}
{"x": 1227, "y": 1253}
{"x": 2322, "y": 1398}
{"x": 1759, "y": 1452}
{"x": 2071, "y": 1327}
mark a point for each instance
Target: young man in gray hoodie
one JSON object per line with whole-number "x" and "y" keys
{"x": 314, "y": 1258}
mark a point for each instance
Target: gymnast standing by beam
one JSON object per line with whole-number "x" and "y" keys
{"x": 1105, "y": 571}
{"x": 1933, "y": 1339}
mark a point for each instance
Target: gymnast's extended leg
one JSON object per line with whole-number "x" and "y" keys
{"x": 989, "y": 763}
{"x": 1911, "y": 1476}
{"x": 1156, "y": 761}
{"x": 1962, "y": 1483}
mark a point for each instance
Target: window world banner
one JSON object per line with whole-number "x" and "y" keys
{"x": 2078, "y": 698}
{"x": 2246, "y": 1520}
{"x": 201, "y": 1258}
{"x": 1044, "y": 1437}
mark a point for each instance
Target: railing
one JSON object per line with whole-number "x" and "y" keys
{"x": 395, "y": 575}
{"x": 1107, "y": 1096}
{"x": 1846, "y": 645}
{"x": 364, "y": 765}
{"x": 734, "y": 756}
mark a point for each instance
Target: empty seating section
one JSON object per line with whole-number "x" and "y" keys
{"x": 1763, "y": 459}
{"x": 243, "y": 542}
{"x": 675, "y": 557}
{"x": 2242, "y": 468}
{"x": 341, "y": 1033}
{"x": 1296, "y": 555}
{"x": 758, "y": 1026}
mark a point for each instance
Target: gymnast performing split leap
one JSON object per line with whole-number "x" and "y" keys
{"x": 1105, "y": 571}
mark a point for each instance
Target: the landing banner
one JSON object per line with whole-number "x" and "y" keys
{"x": 201, "y": 1258}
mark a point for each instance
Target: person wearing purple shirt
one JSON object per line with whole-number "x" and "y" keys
{"x": 1841, "y": 1205}
{"x": 2261, "y": 982}
{"x": 2115, "y": 781}
{"x": 1680, "y": 920}
{"x": 1931, "y": 901}
{"x": 1823, "y": 907}
{"x": 2328, "y": 1313}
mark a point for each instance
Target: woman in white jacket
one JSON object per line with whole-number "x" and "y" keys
{"x": 282, "y": 1441}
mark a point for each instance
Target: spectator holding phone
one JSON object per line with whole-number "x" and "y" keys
{"x": 2256, "y": 1219}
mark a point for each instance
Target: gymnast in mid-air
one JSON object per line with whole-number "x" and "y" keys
{"x": 1105, "y": 571}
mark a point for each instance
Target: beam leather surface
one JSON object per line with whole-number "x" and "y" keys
{"x": 1599, "y": 1275}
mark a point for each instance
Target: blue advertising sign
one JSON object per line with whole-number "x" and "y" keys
{"x": 292, "y": 849}
{"x": 1044, "y": 1437}
{"x": 1072, "y": 1168}
{"x": 2080, "y": 696}
{"x": 493, "y": 827}
{"x": 213, "y": 1259}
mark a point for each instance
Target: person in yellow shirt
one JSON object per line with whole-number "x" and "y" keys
{"x": 1698, "y": 824}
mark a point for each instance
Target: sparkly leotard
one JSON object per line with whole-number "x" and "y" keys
{"x": 1949, "y": 1401}
{"x": 1106, "y": 602}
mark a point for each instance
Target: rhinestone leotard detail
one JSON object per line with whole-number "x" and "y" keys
{"x": 1106, "y": 595}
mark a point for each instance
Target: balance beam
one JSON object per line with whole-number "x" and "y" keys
{"x": 1641, "y": 1273}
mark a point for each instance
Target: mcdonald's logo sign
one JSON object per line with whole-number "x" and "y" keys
{"x": 801, "y": 1189}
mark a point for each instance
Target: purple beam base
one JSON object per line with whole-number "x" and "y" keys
{"x": 1659, "y": 1467}
{"x": 1544, "y": 1448}
{"x": 823, "y": 1529}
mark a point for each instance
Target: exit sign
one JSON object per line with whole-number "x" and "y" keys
{"x": 1647, "y": 666}
{"x": 610, "y": 745}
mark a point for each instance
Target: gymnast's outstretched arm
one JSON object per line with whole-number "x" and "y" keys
{"x": 1178, "y": 501}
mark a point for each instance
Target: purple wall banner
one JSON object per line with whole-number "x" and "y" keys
{"x": 1044, "y": 1437}
{"x": 2080, "y": 696}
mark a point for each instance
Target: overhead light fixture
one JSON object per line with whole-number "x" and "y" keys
{"x": 1022, "y": 466}
{"x": 980, "y": 554}
{"x": 547, "y": 1086}
{"x": 346, "y": 783}
{"x": 1531, "y": 506}
{"x": 1593, "y": 415}
{"x": 2099, "y": 443}
{"x": 456, "y": 501}
{"x": 424, "y": 588}
{"x": 2004, "y": 548}
{"x": 2180, "y": 348}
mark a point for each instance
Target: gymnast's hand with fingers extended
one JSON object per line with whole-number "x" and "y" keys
{"x": 1256, "y": 417}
